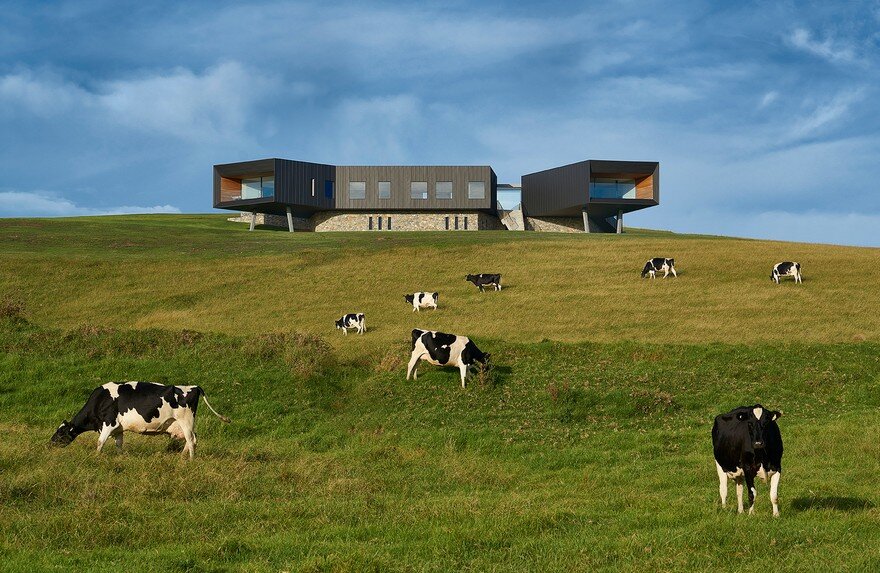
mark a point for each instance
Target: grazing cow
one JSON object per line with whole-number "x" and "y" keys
{"x": 443, "y": 350}
{"x": 141, "y": 407}
{"x": 747, "y": 443}
{"x": 786, "y": 269}
{"x": 483, "y": 280}
{"x": 422, "y": 300}
{"x": 659, "y": 264}
{"x": 352, "y": 321}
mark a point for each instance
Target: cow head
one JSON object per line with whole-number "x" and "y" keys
{"x": 757, "y": 418}
{"x": 64, "y": 435}
{"x": 470, "y": 278}
{"x": 409, "y": 298}
{"x": 773, "y": 275}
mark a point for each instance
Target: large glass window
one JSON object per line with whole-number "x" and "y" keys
{"x": 357, "y": 189}
{"x": 476, "y": 189}
{"x": 602, "y": 188}
{"x": 384, "y": 189}
{"x": 258, "y": 187}
{"x": 418, "y": 190}
{"x": 443, "y": 189}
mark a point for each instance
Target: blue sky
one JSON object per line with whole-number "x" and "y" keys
{"x": 764, "y": 116}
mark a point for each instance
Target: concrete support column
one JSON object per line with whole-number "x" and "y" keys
{"x": 586, "y": 222}
{"x": 253, "y": 219}
{"x": 619, "y": 222}
{"x": 289, "y": 220}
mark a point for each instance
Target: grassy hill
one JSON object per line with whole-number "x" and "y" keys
{"x": 586, "y": 447}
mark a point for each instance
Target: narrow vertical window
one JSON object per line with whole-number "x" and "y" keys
{"x": 380, "y": 223}
{"x": 313, "y": 186}
{"x": 370, "y": 224}
{"x": 456, "y": 222}
{"x": 328, "y": 189}
{"x": 389, "y": 223}
{"x": 465, "y": 224}
{"x": 447, "y": 223}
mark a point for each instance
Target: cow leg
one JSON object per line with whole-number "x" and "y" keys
{"x": 345, "y": 331}
{"x": 739, "y": 494}
{"x": 463, "y": 368}
{"x": 750, "y": 483}
{"x": 774, "y": 492}
{"x": 413, "y": 366}
{"x": 106, "y": 431}
{"x": 665, "y": 272}
{"x": 722, "y": 485}
{"x": 674, "y": 274}
{"x": 189, "y": 434}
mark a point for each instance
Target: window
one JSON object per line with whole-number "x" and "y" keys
{"x": 384, "y": 189}
{"x": 389, "y": 223}
{"x": 313, "y": 186}
{"x": 476, "y": 189}
{"x": 447, "y": 223}
{"x": 357, "y": 189}
{"x": 613, "y": 188}
{"x": 465, "y": 223}
{"x": 328, "y": 189}
{"x": 443, "y": 189}
{"x": 456, "y": 222}
{"x": 370, "y": 224}
{"x": 418, "y": 190}
{"x": 258, "y": 187}
{"x": 380, "y": 223}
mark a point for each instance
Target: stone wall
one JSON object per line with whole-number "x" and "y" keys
{"x": 299, "y": 223}
{"x": 555, "y": 224}
{"x": 404, "y": 221}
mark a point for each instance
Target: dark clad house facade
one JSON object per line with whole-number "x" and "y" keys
{"x": 322, "y": 197}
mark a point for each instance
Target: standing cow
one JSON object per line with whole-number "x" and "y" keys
{"x": 443, "y": 350}
{"x": 786, "y": 269}
{"x": 352, "y": 320}
{"x": 653, "y": 266}
{"x": 747, "y": 443}
{"x": 140, "y": 407}
{"x": 422, "y": 300}
{"x": 485, "y": 279}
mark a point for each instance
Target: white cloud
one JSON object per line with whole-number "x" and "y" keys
{"x": 825, "y": 114}
{"x": 768, "y": 99}
{"x": 41, "y": 204}
{"x": 180, "y": 103}
{"x": 827, "y": 49}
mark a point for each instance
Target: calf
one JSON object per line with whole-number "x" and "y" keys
{"x": 443, "y": 350}
{"x": 659, "y": 264}
{"x": 786, "y": 269}
{"x": 141, "y": 407}
{"x": 483, "y": 280}
{"x": 352, "y": 321}
{"x": 746, "y": 442}
{"x": 422, "y": 300}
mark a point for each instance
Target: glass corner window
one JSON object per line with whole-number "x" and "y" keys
{"x": 357, "y": 189}
{"x": 476, "y": 189}
{"x": 418, "y": 190}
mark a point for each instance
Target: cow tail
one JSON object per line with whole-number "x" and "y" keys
{"x": 208, "y": 404}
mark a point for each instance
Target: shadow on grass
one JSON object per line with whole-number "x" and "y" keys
{"x": 837, "y": 503}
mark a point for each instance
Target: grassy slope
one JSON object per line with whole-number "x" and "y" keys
{"x": 579, "y": 456}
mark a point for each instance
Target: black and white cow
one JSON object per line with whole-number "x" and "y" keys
{"x": 786, "y": 269}
{"x": 443, "y": 350}
{"x": 657, "y": 264}
{"x": 483, "y": 280}
{"x": 352, "y": 321}
{"x": 747, "y": 443}
{"x": 140, "y": 407}
{"x": 422, "y": 300}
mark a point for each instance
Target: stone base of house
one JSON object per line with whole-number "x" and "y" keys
{"x": 394, "y": 221}
{"x": 555, "y": 224}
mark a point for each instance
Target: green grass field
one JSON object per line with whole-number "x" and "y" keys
{"x": 585, "y": 448}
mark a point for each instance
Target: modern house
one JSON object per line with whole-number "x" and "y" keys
{"x": 321, "y": 197}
